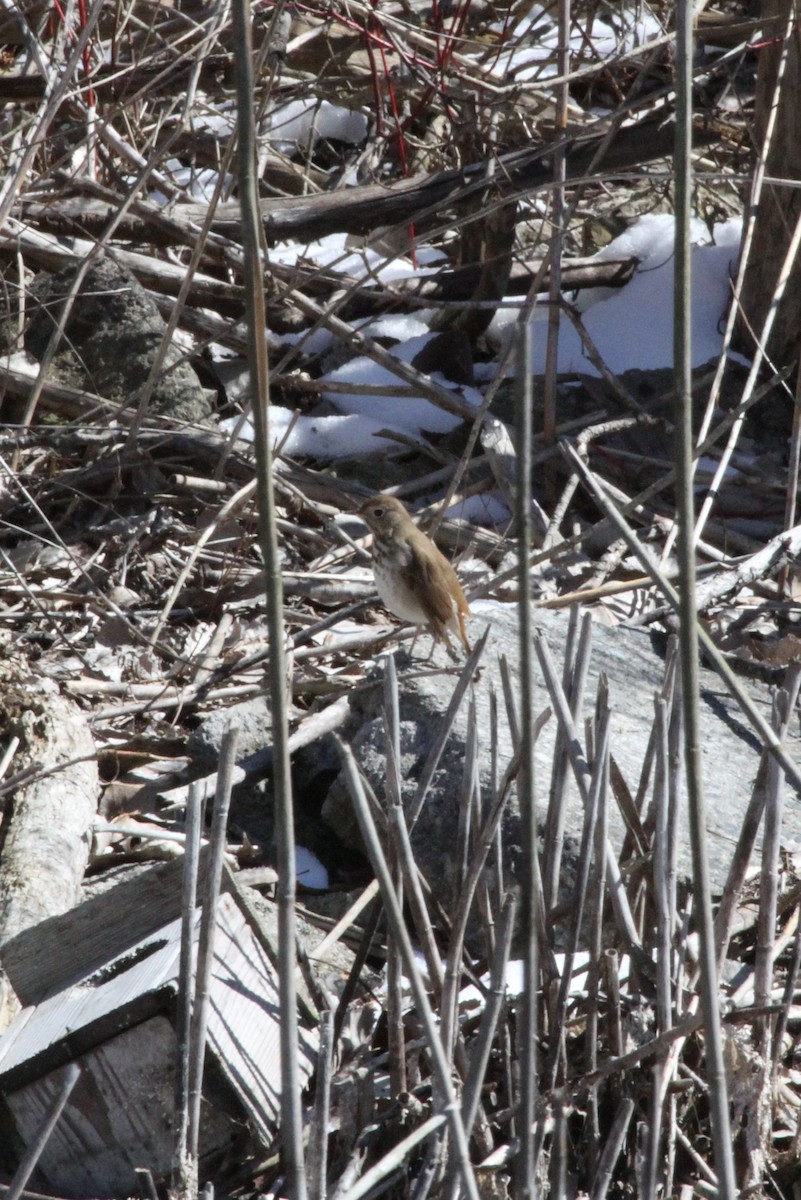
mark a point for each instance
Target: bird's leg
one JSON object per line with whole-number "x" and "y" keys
{"x": 428, "y": 629}
{"x": 444, "y": 637}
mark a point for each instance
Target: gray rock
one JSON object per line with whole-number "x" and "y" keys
{"x": 252, "y": 722}
{"x": 635, "y": 670}
{"x": 110, "y": 341}
{"x": 252, "y": 805}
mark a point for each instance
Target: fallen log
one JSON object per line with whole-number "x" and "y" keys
{"x": 362, "y": 209}
{"x": 48, "y": 822}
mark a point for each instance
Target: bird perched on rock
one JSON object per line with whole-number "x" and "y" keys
{"x": 415, "y": 581}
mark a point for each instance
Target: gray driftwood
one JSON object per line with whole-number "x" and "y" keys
{"x": 50, "y": 813}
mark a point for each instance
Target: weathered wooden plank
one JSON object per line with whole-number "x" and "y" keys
{"x": 119, "y": 1116}
{"x": 78, "y": 1018}
{"x": 45, "y": 961}
{"x": 120, "y": 1113}
{"x": 244, "y": 1028}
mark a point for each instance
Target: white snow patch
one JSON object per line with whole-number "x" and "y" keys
{"x": 309, "y": 870}
{"x": 219, "y": 120}
{"x": 632, "y": 327}
{"x": 515, "y": 981}
{"x": 400, "y": 326}
{"x": 301, "y": 123}
{"x": 409, "y": 413}
{"x": 487, "y": 509}
{"x": 312, "y": 342}
{"x": 530, "y": 46}
{"x": 361, "y": 262}
{"x": 323, "y": 437}
{"x": 198, "y": 183}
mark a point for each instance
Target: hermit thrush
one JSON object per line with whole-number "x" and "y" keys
{"x": 414, "y": 580}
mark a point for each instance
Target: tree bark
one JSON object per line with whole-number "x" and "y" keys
{"x": 779, "y": 205}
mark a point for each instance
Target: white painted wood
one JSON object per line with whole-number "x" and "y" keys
{"x": 116, "y": 1022}
{"x": 244, "y": 1028}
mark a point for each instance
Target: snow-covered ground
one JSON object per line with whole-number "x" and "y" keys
{"x": 631, "y": 327}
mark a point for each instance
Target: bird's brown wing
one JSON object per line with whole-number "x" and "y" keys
{"x": 434, "y": 578}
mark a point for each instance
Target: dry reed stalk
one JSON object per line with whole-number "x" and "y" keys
{"x": 783, "y": 1016}
{"x": 581, "y": 772}
{"x": 59, "y": 79}
{"x": 456, "y": 947}
{"x": 793, "y": 471}
{"x": 598, "y": 961}
{"x": 291, "y": 1128}
{"x": 318, "y": 1133}
{"x": 33, "y": 1152}
{"x": 495, "y": 870}
{"x": 574, "y": 678}
{"x": 205, "y": 951}
{"x": 394, "y": 970}
{"x": 756, "y": 366}
{"x": 557, "y": 239}
{"x": 488, "y": 893}
{"x": 416, "y": 899}
{"x": 686, "y": 609}
{"x": 717, "y": 661}
{"x": 369, "y": 930}
{"x": 440, "y": 1064}
{"x": 531, "y": 909}
{"x": 663, "y": 898}
{"x": 649, "y": 1136}
{"x": 481, "y": 850}
{"x": 490, "y": 1018}
{"x": 611, "y": 1149}
{"x": 393, "y": 1160}
{"x": 757, "y": 183}
{"x": 784, "y": 704}
{"x": 184, "y": 1170}
{"x": 599, "y": 783}
{"x": 435, "y": 753}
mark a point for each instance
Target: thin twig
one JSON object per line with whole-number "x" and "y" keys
{"x": 582, "y": 775}
{"x": 612, "y": 1147}
{"x": 599, "y": 784}
{"x": 760, "y": 725}
{"x": 525, "y": 1167}
{"x": 318, "y": 1136}
{"x": 688, "y": 642}
{"x": 394, "y": 1008}
{"x": 482, "y": 1047}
